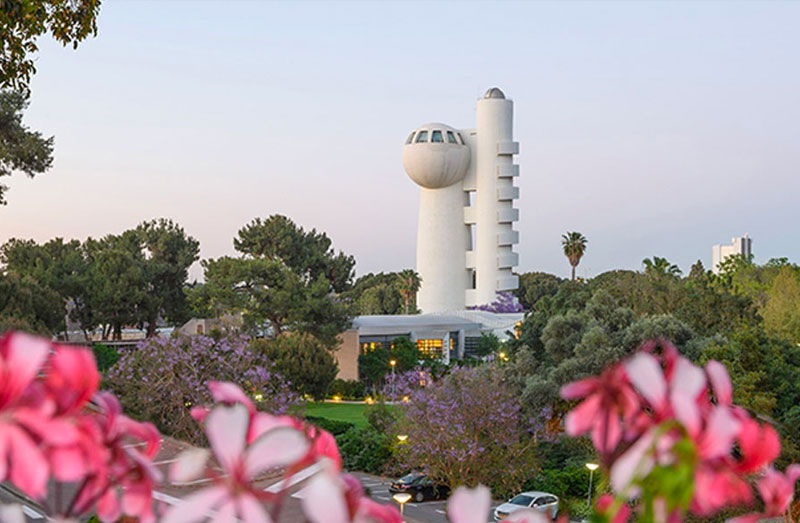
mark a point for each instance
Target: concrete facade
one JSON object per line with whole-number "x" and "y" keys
{"x": 346, "y": 355}
{"x": 465, "y": 235}
{"x": 743, "y": 245}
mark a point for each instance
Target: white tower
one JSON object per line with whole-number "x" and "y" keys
{"x": 465, "y": 236}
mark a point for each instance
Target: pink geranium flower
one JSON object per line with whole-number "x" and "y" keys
{"x": 607, "y": 401}
{"x": 339, "y": 498}
{"x": 234, "y": 494}
{"x": 23, "y": 422}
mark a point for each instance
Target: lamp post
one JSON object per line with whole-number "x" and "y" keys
{"x": 393, "y": 364}
{"x": 402, "y": 498}
{"x": 592, "y": 467}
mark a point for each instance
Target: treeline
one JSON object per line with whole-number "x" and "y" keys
{"x": 283, "y": 279}
{"x": 747, "y": 317}
{"x": 135, "y": 278}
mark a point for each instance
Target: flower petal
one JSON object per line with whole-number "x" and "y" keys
{"x": 581, "y": 419}
{"x": 688, "y": 378}
{"x": 196, "y": 506}
{"x": 527, "y": 515}
{"x": 279, "y": 447}
{"x": 468, "y": 505}
{"x": 719, "y": 434}
{"x": 226, "y": 513}
{"x": 579, "y": 389}
{"x": 251, "y": 510}
{"x": 28, "y": 468}
{"x": 720, "y": 382}
{"x": 108, "y": 508}
{"x": 324, "y": 500}
{"x": 634, "y": 463}
{"x": 227, "y": 392}
{"x": 226, "y": 428}
{"x": 686, "y": 411}
{"x": 22, "y": 356}
{"x": 189, "y": 465}
{"x": 646, "y": 375}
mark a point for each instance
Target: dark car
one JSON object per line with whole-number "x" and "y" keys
{"x": 420, "y": 486}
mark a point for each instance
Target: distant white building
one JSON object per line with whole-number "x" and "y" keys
{"x": 743, "y": 245}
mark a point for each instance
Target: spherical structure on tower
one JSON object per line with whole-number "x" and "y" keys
{"x": 436, "y": 156}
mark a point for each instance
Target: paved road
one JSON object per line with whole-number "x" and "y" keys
{"x": 425, "y": 512}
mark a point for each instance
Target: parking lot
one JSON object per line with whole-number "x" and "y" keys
{"x": 426, "y": 512}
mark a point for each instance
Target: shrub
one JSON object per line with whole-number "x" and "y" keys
{"x": 347, "y": 389}
{"x": 303, "y": 360}
{"x": 334, "y": 426}
{"x": 162, "y": 379}
{"x": 105, "y": 356}
{"x": 365, "y": 450}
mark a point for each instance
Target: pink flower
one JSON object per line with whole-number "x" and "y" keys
{"x": 72, "y": 378}
{"x": 323, "y": 442}
{"x": 333, "y": 498}
{"x": 758, "y": 444}
{"x": 777, "y": 492}
{"x": 233, "y": 494}
{"x": 21, "y": 459}
{"x": 604, "y": 504}
{"x": 468, "y": 505}
{"x": 607, "y": 401}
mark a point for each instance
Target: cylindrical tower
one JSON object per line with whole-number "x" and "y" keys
{"x": 436, "y": 158}
{"x": 494, "y": 198}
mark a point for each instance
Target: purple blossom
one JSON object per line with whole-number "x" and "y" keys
{"x": 163, "y": 378}
{"x": 505, "y": 302}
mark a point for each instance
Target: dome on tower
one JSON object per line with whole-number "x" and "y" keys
{"x": 435, "y": 156}
{"x": 495, "y": 92}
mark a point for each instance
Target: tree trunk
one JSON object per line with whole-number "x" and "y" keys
{"x": 573, "y": 273}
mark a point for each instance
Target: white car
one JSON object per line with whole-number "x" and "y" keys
{"x": 541, "y": 501}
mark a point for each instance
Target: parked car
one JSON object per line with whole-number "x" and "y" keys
{"x": 420, "y": 486}
{"x": 541, "y": 501}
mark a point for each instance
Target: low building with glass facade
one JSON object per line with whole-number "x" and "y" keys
{"x": 445, "y": 337}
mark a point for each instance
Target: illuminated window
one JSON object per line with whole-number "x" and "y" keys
{"x": 436, "y": 137}
{"x": 422, "y": 136}
{"x": 451, "y": 138}
{"x": 410, "y": 137}
{"x": 430, "y": 349}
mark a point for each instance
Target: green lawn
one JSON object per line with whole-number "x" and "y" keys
{"x": 350, "y": 412}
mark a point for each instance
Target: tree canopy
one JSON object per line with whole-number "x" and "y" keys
{"x": 21, "y": 150}
{"x": 286, "y": 279}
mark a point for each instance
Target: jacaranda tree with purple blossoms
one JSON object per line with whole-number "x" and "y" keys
{"x": 505, "y": 302}
{"x": 162, "y": 379}
{"x": 466, "y": 429}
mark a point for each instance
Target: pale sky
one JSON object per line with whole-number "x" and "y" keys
{"x": 652, "y": 128}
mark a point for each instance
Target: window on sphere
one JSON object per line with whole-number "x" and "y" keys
{"x": 410, "y": 138}
{"x": 451, "y": 138}
{"x": 436, "y": 137}
{"x": 422, "y": 136}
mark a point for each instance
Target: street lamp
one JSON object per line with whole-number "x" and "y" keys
{"x": 592, "y": 467}
{"x": 402, "y": 498}
{"x": 393, "y": 364}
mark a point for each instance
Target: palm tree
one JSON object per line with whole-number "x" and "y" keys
{"x": 660, "y": 268}
{"x": 574, "y": 244}
{"x": 408, "y": 283}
